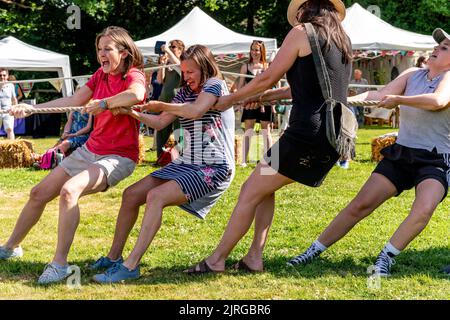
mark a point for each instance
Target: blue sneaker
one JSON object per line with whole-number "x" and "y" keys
{"x": 6, "y": 253}
{"x": 117, "y": 273}
{"x": 104, "y": 263}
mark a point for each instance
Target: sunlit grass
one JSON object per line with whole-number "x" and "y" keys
{"x": 301, "y": 214}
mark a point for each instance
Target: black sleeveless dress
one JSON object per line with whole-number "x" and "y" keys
{"x": 256, "y": 114}
{"x": 303, "y": 152}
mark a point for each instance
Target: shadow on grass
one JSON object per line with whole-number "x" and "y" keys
{"x": 429, "y": 262}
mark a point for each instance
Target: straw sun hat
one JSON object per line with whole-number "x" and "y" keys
{"x": 295, "y": 4}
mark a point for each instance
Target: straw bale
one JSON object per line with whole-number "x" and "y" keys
{"x": 141, "y": 156}
{"x": 381, "y": 142}
{"x": 16, "y": 153}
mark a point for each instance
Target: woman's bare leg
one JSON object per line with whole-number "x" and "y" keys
{"x": 249, "y": 126}
{"x": 166, "y": 194}
{"x": 263, "y": 220}
{"x": 257, "y": 189}
{"x": 132, "y": 198}
{"x": 44, "y": 192}
{"x": 428, "y": 196}
{"x": 266, "y": 128}
{"x": 375, "y": 191}
{"x": 91, "y": 180}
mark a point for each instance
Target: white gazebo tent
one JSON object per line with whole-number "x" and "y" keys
{"x": 18, "y": 55}
{"x": 368, "y": 32}
{"x": 199, "y": 28}
{"x": 371, "y": 34}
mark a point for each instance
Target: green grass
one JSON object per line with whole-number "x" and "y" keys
{"x": 301, "y": 214}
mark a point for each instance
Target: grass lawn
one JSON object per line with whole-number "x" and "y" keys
{"x": 301, "y": 214}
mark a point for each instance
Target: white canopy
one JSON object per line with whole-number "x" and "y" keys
{"x": 199, "y": 28}
{"x": 18, "y": 55}
{"x": 368, "y": 32}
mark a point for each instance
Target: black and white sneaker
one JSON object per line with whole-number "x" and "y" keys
{"x": 383, "y": 264}
{"x": 306, "y": 257}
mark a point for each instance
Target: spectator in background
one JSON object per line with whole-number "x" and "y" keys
{"x": 256, "y": 65}
{"x": 421, "y": 62}
{"x": 7, "y": 99}
{"x": 156, "y": 86}
{"x": 17, "y": 87}
{"x": 170, "y": 79}
{"x": 358, "y": 111}
{"x": 76, "y": 132}
{"x": 359, "y": 80}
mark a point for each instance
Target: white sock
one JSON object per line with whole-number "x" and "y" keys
{"x": 389, "y": 248}
{"x": 319, "y": 245}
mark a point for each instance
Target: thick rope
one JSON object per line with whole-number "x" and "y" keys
{"x": 48, "y": 110}
{"x": 368, "y": 103}
{"x": 77, "y": 108}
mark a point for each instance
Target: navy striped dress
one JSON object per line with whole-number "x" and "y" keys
{"x": 205, "y": 167}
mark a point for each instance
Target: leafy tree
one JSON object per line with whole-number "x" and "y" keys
{"x": 43, "y": 22}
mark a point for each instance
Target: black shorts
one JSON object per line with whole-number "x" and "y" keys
{"x": 407, "y": 167}
{"x": 256, "y": 114}
{"x": 301, "y": 161}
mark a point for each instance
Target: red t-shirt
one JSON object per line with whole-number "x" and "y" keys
{"x": 119, "y": 134}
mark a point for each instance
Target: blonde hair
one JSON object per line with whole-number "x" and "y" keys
{"x": 179, "y": 44}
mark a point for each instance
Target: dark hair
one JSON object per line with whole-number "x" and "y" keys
{"x": 323, "y": 15}
{"x": 262, "y": 47}
{"x": 205, "y": 60}
{"x": 420, "y": 60}
{"x": 123, "y": 42}
{"x": 4, "y": 69}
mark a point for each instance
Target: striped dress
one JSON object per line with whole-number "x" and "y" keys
{"x": 205, "y": 167}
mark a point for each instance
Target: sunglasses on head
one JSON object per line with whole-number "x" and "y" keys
{"x": 258, "y": 41}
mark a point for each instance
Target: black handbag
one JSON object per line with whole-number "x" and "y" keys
{"x": 343, "y": 140}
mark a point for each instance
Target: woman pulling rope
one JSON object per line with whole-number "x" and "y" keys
{"x": 109, "y": 155}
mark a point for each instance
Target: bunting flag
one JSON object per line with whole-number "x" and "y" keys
{"x": 372, "y": 54}
{"x": 26, "y": 88}
{"x": 57, "y": 84}
{"x": 81, "y": 81}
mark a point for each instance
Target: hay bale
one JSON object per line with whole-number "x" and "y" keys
{"x": 380, "y": 143}
{"x": 238, "y": 148}
{"x": 141, "y": 156}
{"x": 16, "y": 154}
